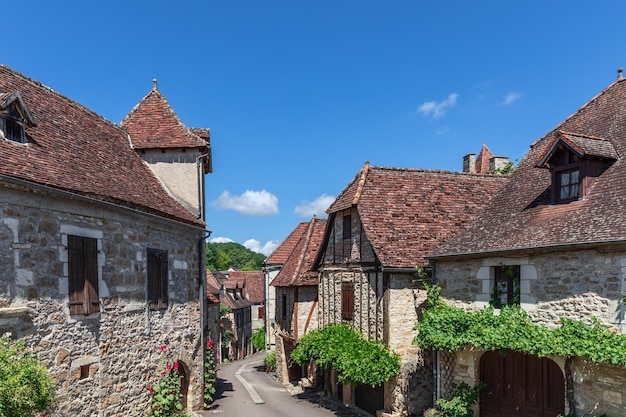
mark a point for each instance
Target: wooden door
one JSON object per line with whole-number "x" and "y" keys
{"x": 520, "y": 385}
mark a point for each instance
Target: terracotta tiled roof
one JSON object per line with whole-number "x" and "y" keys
{"x": 282, "y": 252}
{"x": 213, "y": 285}
{"x": 584, "y": 146}
{"x": 254, "y": 283}
{"x": 153, "y": 124}
{"x": 521, "y": 215}
{"x": 72, "y": 148}
{"x": 298, "y": 269}
{"x": 229, "y": 301}
{"x": 407, "y": 213}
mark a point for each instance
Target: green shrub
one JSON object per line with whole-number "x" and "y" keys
{"x": 270, "y": 362}
{"x": 459, "y": 403}
{"x": 25, "y": 386}
{"x": 356, "y": 360}
{"x": 258, "y": 339}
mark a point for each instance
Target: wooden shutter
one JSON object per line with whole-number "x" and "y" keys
{"x": 157, "y": 279}
{"x": 83, "y": 275}
{"x": 347, "y": 301}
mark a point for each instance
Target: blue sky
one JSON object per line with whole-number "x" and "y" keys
{"x": 299, "y": 94}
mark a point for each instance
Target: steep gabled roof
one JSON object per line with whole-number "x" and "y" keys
{"x": 282, "y": 252}
{"x": 407, "y": 213}
{"x": 213, "y": 287}
{"x": 482, "y": 160}
{"x": 298, "y": 268}
{"x": 73, "y": 149}
{"x": 521, "y": 216}
{"x": 153, "y": 124}
{"x": 582, "y": 146}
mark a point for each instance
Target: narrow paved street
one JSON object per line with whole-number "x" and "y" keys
{"x": 244, "y": 389}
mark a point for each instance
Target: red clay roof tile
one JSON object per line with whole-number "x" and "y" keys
{"x": 73, "y": 149}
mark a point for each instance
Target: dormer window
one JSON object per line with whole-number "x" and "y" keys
{"x": 14, "y": 117}
{"x": 575, "y": 161}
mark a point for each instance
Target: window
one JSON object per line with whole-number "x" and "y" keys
{"x": 13, "y": 130}
{"x": 506, "y": 286}
{"x": 82, "y": 258}
{"x": 261, "y": 312}
{"x": 157, "y": 279}
{"x": 347, "y": 227}
{"x": 568, "y": 183}
{"x": 347, "y": 301}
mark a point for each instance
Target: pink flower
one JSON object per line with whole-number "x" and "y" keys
{"x": 209, "y": 344}
{"x": 163, "y": 347}
{"x": 176, "y": 365}
{"x": 169, "y": 367}
{"x": 156, "y": 407}
{"x": 151, "y": 390}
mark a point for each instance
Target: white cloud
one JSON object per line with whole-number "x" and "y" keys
{"x": 510, "y": 98}
{"x": 250, "y": 203}
{"x": 220, "y": 240}
{"x": 316, "y": 207}
{"x": 255, "y": 246}
{"x": 438, "y": 110}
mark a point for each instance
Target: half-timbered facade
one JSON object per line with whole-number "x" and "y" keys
{"x": 379, "y": 230}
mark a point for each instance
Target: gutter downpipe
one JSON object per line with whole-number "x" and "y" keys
{"x": 199, "y": 166}
{"x": 202, "y": 284}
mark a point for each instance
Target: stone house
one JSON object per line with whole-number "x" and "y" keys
{"x": 100, "y": 257}
{"x": 212, "y": 308}
{"x": 559, "y": 225}
{"x": 236, "y": 325}
{"x": 296, "y": 299}
{"x": 379, "y": 229}
{"x": 254, "y": 292}
{"x": 271, "y": 267}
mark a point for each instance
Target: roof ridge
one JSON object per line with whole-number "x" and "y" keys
{"x": 359, "y": 189}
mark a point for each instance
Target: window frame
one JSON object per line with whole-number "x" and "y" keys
{"x": 507, "y": 283}
{"x": 559, "y": 187}
{"x": 17, "y": 128}
{"x": 82, "y": 261}
{"x": 157, "y": 274}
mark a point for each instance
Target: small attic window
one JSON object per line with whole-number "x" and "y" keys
{"x": 575, "y": 161}
{"x": 13, "y": 131}
{"x": 15, "y": 117}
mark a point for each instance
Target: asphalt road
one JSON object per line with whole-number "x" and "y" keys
{"x": 244, "y": 389}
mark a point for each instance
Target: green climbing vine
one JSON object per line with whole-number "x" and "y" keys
{"x": 356, "y": 360}
{"x": 444, "y": 327}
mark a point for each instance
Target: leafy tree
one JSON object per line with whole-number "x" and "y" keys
{"x": 221, "y": 256}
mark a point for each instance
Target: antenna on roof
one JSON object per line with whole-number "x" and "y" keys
{"x": 154, "y": 84}
{"x": 619, "y": 73}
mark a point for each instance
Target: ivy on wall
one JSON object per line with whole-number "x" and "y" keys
{"x": 356, "y": 360}
{"x": 448, "y": 328}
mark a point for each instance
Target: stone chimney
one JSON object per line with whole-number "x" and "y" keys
{"x": 469, "y": 163}
{"x": 497, "y": 162}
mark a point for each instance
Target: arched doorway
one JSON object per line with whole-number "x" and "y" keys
{"x": 520, "y": 385}
{"x": 184, "y": 383}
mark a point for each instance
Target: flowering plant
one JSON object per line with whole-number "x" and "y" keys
{"x": 166, "y": 392}
{"x": 210, "y": 374}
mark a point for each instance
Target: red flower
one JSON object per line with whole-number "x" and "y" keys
{"x": 169, "y": 367}
{"x": 176, "y": 365}
{"x": 156, "y": 407}
{"x": 209, "y": 344}
{"x": 163, "y": 347}
{"x": 151, "y": 390}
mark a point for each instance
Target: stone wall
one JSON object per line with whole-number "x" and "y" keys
{"x": 577, "y": 284}
{"x": 104, "y": 363}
